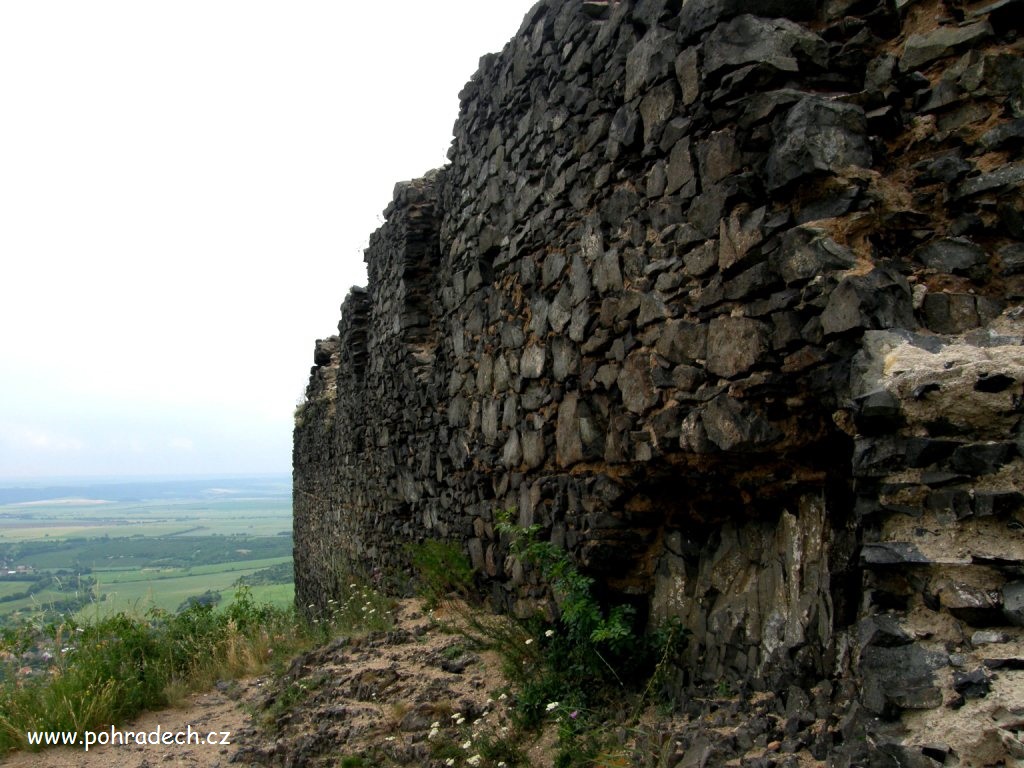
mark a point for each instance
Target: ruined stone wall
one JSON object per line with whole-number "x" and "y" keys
{"x": 725, "y": 296}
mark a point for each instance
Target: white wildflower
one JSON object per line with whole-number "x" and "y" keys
{"x": 474, "y": 760}
{"x": 552, "y": 706}
{"x": 549, "y": 633}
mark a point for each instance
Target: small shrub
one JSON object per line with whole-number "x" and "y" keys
{"x": 288, "y": 698}
{"x": 108, "y": 670}
{"x": 588, "y": 642}
{"x": 581, "y": 664}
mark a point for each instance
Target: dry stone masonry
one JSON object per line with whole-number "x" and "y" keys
{"x": 726, "y": 297}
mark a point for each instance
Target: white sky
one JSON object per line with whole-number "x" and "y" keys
{"x": 186, "y": 187}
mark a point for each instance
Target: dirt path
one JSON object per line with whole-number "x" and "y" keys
{"x": 205, "y": 713}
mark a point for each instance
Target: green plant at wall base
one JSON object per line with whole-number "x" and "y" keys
{"x": 585, "y": 660}
{"x": 441, "y": 569}
{"x": 591, "y": 632}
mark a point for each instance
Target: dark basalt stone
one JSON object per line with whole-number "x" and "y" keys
{"x": 993, "y": 382}
{"x": 972, "y": 685}
{"x": 775, "y": 43}
{"x": 982, "y": 458}
{"x": 942, "y": 170}
{"x": 957, "y": 256}
{"x": 697, "y": 15}
{"x": 1011, "y": 259}
{"x": 944, "y": 41}
{"x": 878, "y": 299}
{"x": 805, "y": 253}
{"x": 892, "y": 553}
{"x": 900, "y": 678}
{"x": 817, "y": 136}
{"x": 878, "y": 413}
{"x": 1009, "y": 176}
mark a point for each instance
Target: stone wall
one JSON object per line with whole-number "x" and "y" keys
{"x": 725, "y": 296}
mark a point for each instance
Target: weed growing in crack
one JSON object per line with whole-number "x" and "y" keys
{"x": 590, "y": 661}
{"x": 572, "y": 673}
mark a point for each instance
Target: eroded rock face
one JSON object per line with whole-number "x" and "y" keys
{"x": 724, "y": 296}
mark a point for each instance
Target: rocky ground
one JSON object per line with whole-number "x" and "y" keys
{"x": 378, "y": 697}
{"x": 421, "y": 695}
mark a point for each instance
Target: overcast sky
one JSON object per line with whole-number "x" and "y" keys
{"x": 186, "y": 188}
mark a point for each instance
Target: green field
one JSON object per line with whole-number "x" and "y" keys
{"x": 12, "y": 587}
{"x": 40, "y": 520}
{"x": 33, "y": 603}
{"x": 139, "y": 545}
{"x": 167, "y": 588}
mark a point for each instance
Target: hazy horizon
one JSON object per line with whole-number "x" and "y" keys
{"x": 96, "y": 494}
{"x": 37, "y": 480}
{"x": 185, "y": 196}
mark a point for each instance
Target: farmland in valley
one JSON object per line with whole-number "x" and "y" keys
{"x": 94, "y": 547}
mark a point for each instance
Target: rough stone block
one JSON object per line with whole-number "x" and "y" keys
{"x": 733, "y": 427}
{"x": 806, "y": 253}
{"x": 956, "y": 256}
{"x": 817, "y": 136}
{"x": 776, "y": 43}
{"x": 879, "y": 299}
{"x": 650, "y": 60}
{"x": 736, "y": 344}
{"x": 944, "y": 41}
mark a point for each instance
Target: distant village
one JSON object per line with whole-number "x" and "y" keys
{"x": 7, "y": 570}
